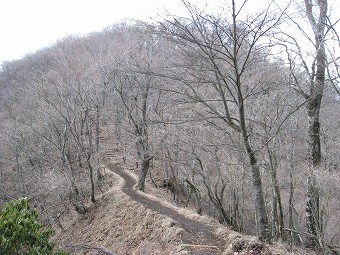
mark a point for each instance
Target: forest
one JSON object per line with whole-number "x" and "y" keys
{"x": 236, "y": 113}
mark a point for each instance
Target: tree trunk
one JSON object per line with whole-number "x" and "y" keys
{"x": 197, "y": 195}
{"x": 317, "y": 84}
{"x": 74, "y": 193}
{"x": 100, "y": 176}
{"x": 174, "y": 172}
{"x": 142, "y": 145}
{"x": 260, "y": 208}
{"x": 277, "y": 221}
{"x": 143, "y": 173}
{"x": 235, "y": 213}
{"x": 97, "y": 125}
{"x": 312, "y": 198}
{"x": 141, "y": 131}
{"x": 118, "y": 128}
{"x": 88, "y": 160}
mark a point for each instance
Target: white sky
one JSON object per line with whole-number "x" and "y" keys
{"x": 29, "y": 25}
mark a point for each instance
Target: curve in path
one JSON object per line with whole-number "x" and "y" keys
{"x": 196, "y": 233}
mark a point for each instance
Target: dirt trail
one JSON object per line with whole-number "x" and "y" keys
{"x": 198, "y": 236}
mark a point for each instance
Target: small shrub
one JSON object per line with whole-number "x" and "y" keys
{"x": 21, "y": 233}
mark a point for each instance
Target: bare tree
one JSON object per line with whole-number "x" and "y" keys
{"x": 310, "y": 73}
{"x": 135, "y": 81}
{"x": 136, "y": 106}
{"x": 223, "y": 54}
{"x": 314, "y": 99}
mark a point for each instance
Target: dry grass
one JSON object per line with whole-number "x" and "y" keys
{"x": 161, "y": 196}
{"x": 121, "y": 225}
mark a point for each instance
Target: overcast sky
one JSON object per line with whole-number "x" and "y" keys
{"x": 29, "y": 25}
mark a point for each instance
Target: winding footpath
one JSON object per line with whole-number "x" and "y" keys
{"x": 198, "y": 237}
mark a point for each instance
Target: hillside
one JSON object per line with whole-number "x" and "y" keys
{"x": 224, "y": 114}
{"x": 126, "y": 221}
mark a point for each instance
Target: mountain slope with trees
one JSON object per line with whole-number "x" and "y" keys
{"x": 231, "y": 111}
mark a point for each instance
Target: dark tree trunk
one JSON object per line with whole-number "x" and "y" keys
{"x": 142, "y": 145}
{"x": 197, "y": 195}
{"x": 141, "y": 131}
{"x": 312, "y": 198}
{"x": 118, "y": 125}
{"x": 88, "y": 160}
{"x": 216, "y": 196}
{"x": 97, "y": 124}
{"x": 143, "y": 173}
{"x": 277, "y": 217}
{"x": 317, "y": 83}
{"x": 100, "y": 176}
{"x": 260, "y": 208}
{"x": 74, "y": 192}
